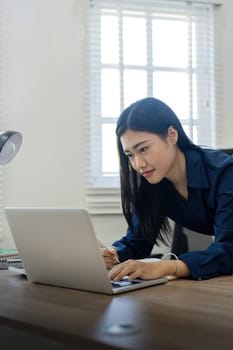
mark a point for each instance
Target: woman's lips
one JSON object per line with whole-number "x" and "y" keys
{"x": 148, "y": 173}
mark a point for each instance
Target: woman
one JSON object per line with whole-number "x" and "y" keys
{"x": 164, "y": 175}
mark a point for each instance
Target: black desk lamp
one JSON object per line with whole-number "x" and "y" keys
{"x": 10, "y": 142}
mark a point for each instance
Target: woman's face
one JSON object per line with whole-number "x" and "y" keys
{"x": 150, "y": 155}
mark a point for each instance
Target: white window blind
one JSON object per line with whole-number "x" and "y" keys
{"x": 165, "y": 49}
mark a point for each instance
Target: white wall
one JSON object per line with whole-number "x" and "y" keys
{"x": 46, "y": 45}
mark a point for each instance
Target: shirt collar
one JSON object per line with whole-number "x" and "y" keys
{"x": 195, "y": 167}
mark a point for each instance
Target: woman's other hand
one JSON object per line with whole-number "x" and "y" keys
{"x": 110, "y": 256}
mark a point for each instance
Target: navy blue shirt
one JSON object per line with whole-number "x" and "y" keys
{"x": 208, "y": 210}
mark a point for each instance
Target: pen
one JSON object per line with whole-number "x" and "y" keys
{"x": 102, "y": 245}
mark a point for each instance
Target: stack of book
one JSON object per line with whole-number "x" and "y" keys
{"x": 9, "y": 257}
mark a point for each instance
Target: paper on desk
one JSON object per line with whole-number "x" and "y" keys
{"x": 149, "y": 259}
{"x": 18, "y": 270}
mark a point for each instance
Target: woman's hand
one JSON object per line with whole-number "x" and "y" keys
{"x": 148, "y": 270}
{"x": 137, "y": 269}
{"x": 110, "y": 257}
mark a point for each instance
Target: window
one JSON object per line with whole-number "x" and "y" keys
{"x": 164, "y": 49}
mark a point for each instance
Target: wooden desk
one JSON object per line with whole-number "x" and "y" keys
{"x": 182, "y": 314}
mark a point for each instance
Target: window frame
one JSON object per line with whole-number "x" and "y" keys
{"x": 104, "y": 196}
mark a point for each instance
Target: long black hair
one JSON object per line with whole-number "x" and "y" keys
{"x": 137, "y": 194}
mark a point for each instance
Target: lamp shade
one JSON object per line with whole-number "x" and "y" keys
{"x": 10, "y": 142}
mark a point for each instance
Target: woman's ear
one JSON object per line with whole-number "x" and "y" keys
{"x": 172, "y": 134}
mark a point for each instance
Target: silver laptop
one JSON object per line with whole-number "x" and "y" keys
{"x": 59, "y": 247}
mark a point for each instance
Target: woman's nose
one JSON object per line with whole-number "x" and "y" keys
{"x": 139, "y": 162}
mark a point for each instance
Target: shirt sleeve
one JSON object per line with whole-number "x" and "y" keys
{"x": 133, "y": 245}
{"x": 217, "y": 259}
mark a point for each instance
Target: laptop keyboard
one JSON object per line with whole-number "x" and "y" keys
{"x": 125, "y": 282}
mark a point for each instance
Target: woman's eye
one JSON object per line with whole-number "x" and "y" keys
{"x": 144, "y": 149}
{"x": 128, "y": 155}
